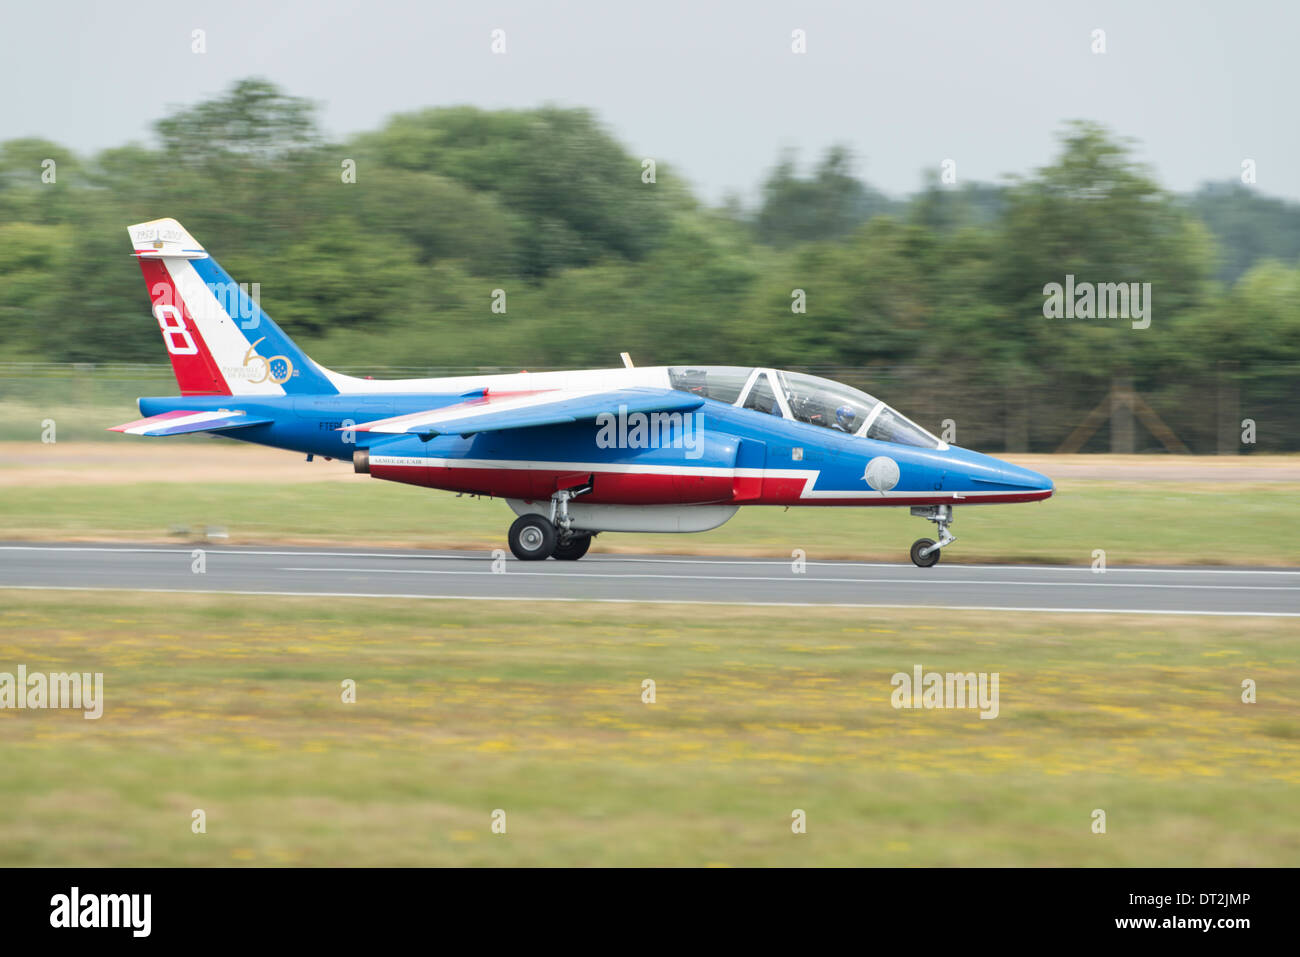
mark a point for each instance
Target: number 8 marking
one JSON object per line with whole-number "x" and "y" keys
{"x": 172, "y": 325}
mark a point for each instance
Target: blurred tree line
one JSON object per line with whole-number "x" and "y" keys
{"x": 399, "y": 267}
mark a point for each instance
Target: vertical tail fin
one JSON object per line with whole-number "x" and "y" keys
{"x": 218, "y": 338}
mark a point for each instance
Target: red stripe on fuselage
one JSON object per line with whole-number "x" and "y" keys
{"x": 639, "y": 488}
{"x": 609, "y": 488}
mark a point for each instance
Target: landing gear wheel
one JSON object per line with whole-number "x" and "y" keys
{"x": 532, "y": 538}
{"x": 927, "y": 560}
{"x": 941, "y": 515}
{"x": 573, "y": 549}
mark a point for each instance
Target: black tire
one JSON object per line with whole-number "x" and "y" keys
{"x": 924, "y": 561}
{"x": 573, "y": 549}
{"x": 532, "y": 538}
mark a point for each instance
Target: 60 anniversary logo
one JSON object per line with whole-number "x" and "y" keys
{"x": 268, "y": 373}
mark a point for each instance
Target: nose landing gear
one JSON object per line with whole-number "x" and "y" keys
{"x": 925, "y": 551}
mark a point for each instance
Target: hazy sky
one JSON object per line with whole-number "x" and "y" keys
{"x": 712, "y": 88}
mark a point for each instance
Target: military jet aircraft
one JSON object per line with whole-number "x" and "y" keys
{"x": 574, "y": 454}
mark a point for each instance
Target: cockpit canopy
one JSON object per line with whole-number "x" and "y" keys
{"x": 805, "y": 398}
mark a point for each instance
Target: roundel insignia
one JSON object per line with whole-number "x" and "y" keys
{"x": 881, "y": 473}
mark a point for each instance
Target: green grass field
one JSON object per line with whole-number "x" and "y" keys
{"x": 1134, "y": 522}
{"x": 233, "y": 706}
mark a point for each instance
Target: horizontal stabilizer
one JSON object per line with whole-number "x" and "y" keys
{"x": 164, "y": 239}
{"x": 183, "y": 421}
{"x": 492, "y": 413}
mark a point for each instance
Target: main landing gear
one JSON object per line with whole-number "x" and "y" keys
{"x": 532, "y": 538}
{"x": 535, "y": 538}
{"x": 925, "y": 551}
{"x": 573, "y": 549}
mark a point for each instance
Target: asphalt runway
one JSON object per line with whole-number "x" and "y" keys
{"x": 296, "y": 570}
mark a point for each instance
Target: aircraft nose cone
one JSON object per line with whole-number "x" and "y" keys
{"x": 989, "y": 472}
{"x": 1017, "y": 475}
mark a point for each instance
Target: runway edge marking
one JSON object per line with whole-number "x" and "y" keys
{"x": 470, "y": 555}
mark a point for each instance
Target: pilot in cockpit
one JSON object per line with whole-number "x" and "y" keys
{"x": 846, "y": 418}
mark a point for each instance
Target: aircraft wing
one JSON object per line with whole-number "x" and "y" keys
{"x": 492, "y": 413}
{"x": 182, "y": 421}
